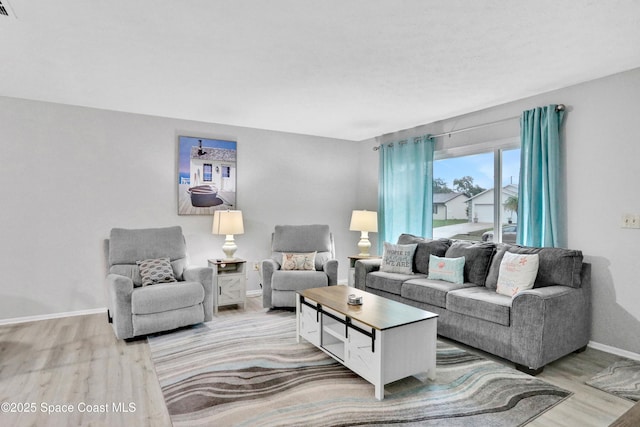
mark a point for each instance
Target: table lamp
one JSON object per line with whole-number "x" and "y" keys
{"x": 228, "y": 223}
{"x": 364, "y": 222}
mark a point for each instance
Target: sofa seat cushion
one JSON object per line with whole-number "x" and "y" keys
{"x": 296, "y": 280}
{"x": 430, "y": 291}
{"x": 481, "y": 303}
{"x": 389, "y": 282}
{"x": 166, "y": 297}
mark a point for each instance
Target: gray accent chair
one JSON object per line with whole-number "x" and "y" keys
{"x": 279, "y": 287}
{"x": 135, "y": 310}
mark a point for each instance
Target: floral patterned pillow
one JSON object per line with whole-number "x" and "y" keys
{"x": 295, "y": 261}
{"x": 517, "y": 273}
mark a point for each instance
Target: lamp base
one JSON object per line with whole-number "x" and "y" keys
{"x": 229, "y": 248}
{"x": 364, "y": 244}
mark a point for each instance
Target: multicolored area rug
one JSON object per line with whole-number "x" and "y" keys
{"x": 621, "y": 379}
{"x": 248, "y": 370}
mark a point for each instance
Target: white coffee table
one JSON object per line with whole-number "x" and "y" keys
{"x": 381, "y": 340}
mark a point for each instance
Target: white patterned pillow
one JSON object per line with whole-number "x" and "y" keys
{"x": 155, "y": 271}
{"x": 517, "y": 273}
{"x": 294, "y": 261}
{"x": 398, "y": 258}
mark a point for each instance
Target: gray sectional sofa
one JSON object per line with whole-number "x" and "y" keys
{"x": 534, "y": 328}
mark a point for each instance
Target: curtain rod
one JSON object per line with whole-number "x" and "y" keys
{"x": 559, "y": 107}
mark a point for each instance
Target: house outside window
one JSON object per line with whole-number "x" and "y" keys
{"x": 465, "y": 205}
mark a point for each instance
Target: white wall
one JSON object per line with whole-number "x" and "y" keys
{"x": 602, "y": 174}
{"x": 457, "y": 208}
{"x": 70, "y": 174}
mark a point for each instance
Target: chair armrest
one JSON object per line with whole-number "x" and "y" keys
{"x": 119, "y": 290}
{"x": 268, "y": 267}
{"x": 331, "y": 268}
{"x": 203, "y": 275}
{"x": 548, "y": 323}
{"x": 364, "y": 267}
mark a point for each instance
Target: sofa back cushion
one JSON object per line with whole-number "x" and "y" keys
{"x": 303, "y": 239}
{"x": 494, "y": 268}
{"x": 477, "y": 259}
{"x": 557, "y": 266}
{"x": 127, "y": 246}
{"x": 426, "y": 247}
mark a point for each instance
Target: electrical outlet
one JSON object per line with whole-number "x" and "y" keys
{"x": 630, "y": 221}
{"x": 256, "y": 266}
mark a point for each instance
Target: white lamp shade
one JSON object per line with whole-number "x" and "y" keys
{"x": 227, "y": 222}
{"x": 364, "y": 221}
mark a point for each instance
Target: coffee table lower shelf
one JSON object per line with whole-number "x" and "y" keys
{"x": 380, "y": 355}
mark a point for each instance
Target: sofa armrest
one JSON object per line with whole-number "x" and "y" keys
{"x": 119, "y": 290}
{"x": 331, "y": 268}
{"x": 203, "y": 275}
{"x": 364, "y": 267}
{"x": 549, "y": 322}
{"x": 268, "y": 267}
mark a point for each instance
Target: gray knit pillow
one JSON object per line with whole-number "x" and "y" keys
{"x": 155, "y": 271}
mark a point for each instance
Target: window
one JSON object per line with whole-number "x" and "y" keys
{"x": 226, "y": 171}
{"x": 464, "y": 183}
{"x": 207, "y": 172}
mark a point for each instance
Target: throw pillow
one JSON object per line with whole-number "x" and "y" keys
{"x": 155, "y": 271}
{"x": 447, "y": 269}
{"x": 477, "y": 256}
{"x": 517, "y": 273}
{"x": 557, "y": 266}
{"x": 426, "y": 249}
{"x": 398, "y": 258}
{"x": 295, "y": 261}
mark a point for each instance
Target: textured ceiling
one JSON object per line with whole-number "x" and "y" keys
{"x": 350, "y": 69}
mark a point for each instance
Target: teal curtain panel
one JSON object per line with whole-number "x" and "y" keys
{"x": 405, "y": 190}
{"x": 541, "y": 200}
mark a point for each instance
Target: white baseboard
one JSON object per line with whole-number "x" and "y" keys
{"x": 614, "y": 350}
{"x": 254, "y": 293}
{"x": 51, "y": 316}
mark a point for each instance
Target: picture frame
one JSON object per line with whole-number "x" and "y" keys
{"x": 207, "y": 175}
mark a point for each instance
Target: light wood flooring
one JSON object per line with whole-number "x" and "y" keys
{"x": 77, "y": 361}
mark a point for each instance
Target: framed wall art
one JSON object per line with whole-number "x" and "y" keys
{"x": 207, "y": 170}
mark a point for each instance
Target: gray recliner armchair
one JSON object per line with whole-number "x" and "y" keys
{"x": 280, "y": 285}
{"x": 136, "y": 310}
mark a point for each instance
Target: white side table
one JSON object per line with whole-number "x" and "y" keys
{"x": 229, "y": 282}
